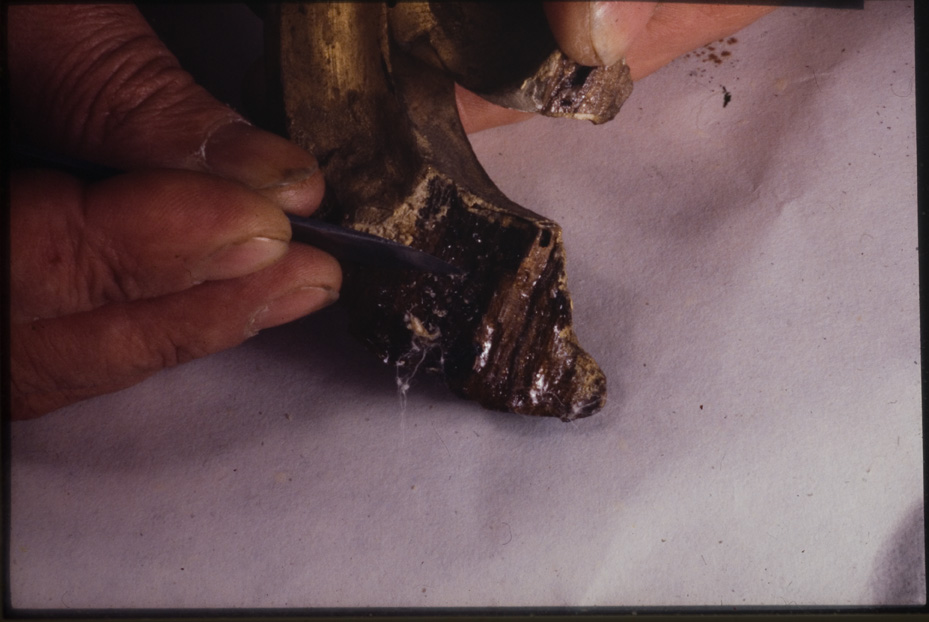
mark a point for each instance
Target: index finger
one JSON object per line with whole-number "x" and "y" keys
{"x": 96, "y": 83}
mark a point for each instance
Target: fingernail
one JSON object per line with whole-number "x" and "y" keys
{"x": 291, "y": 306}
{"x": 608, "y": 36}
{"x": 239, "y": 259}
{"x": 265, "y": 162}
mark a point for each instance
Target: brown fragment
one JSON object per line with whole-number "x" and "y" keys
{"x": 505, "y": 52}
{"x": 385, "y": 129}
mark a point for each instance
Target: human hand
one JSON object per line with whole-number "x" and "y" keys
{"x": 649, "y": 35}
{"x": 113, "y": 281}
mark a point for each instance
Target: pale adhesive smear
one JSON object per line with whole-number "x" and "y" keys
{"x": 422, "y": 341}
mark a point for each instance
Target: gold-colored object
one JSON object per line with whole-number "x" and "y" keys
{"x": 362, "y": 89}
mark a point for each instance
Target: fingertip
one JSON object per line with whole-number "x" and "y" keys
{"x": 290, "y": 306}
{"x": 300, "y": 194}
{"x": 238, "y": 259}
{"x": 597, "y": 33}
{"x": 317, "y": 267}
{"x": 306, "y": 281}
{"x": 267, "y": 163}
{"x": 570, "y": 24}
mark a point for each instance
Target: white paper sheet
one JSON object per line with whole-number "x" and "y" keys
{"x": 746, "y": 274}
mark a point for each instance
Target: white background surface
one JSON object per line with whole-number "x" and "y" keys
{"x": 747, "y": 277}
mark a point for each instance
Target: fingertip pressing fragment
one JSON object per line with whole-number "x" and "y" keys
{"x": 597, "y": 33}
{"x": 608, "y": 37}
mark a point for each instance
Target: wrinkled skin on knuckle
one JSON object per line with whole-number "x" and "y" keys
{"x": 112, "y": 274}
{"x": 49, "y": 277}
{"x": 172, "y": 350}
{"x": 44, "y": 374}
{"x": 188, "y": 326}
{"x": 28, "y": 378}
{"x": 134, "y": 346}
{"x": 45, "y": 249}
{"x": 151, "y": 97}
{"x": 103, "y": 270}
{"x": 110, "y": 79}
{"x": 70, "y": 255}
{"x": 160, "y": 101}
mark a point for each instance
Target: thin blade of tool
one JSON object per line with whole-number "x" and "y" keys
{"x": 351, "y": 245}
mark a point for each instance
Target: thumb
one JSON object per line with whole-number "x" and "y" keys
{"x": 597, "y": 33}
{"x": 95, "y": 82}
